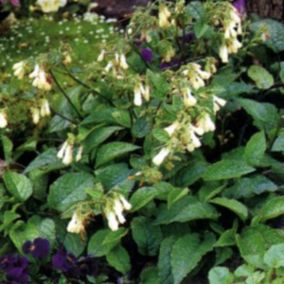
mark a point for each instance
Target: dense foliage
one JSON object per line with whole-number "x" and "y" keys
{"x": 147, "y": 153}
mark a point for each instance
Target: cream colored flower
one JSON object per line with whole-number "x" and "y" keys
{"x": 3, "y": 119}
{"x": 172, "y": 128}
{"x": 76, "y": 224}
{"x": 218, "y": 103}
{"x": 161, "y": 156}
{"x": 125, "y": 203}
{"x": 35, "y": 115}
{"x": 112, "y": 220}
{"x": 118, "y": 210}
{"x": 19, "y": 69}
{"x": 40, "y": 79}
{"x": 79, "y": 154}
{"x": 164, "y": 16}
{"x": 189, "y": 100}
{"x": 101, "y": 56}
{"x": 205, "y": 123}
{"x": 44, "y": 109}
{"x": 66, "y": 153}
{"x": 224, "y": 53}
{"x": 48, "y": 6}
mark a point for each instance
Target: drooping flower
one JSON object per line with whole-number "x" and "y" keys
{"x": 3, "y": 119}
{"x": 44, "y": 109}
{"x": 79, "y": 154}
{"x": 172, "y": 128}
{"x": 194, "y": 141}
{"x": 66, "y": 153}
{"x": 35, "y": 115}
{"x": 161, "y": 156}
{"x": 49, "y": 6}
{"x": 224, "y": 53}
{"x": 141, "y": 92}
{"x": 188, "y": 99}
{"x": 114, "y": 211}
{"x": 218, "y": 103}
{"x": 19, "y": 69}
{"x": 205, "y": 124}
{"x": 112, "y": 220}
{"x": 76, "y": 224}
{"x": 164, "y": 16}
{"x": 101, "y": 56}
{"x": 40, "y": 79}
{"x": 38, "y": 248}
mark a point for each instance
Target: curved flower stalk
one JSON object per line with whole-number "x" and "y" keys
{"x": 114, "y": 211}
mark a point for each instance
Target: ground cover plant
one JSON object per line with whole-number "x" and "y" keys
{"x": 144, "y": 152}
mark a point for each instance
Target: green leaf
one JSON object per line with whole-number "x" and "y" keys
{"x": 262, "y": 78}
{"x": 187, "y": 252}
{"x": 250, "y": 186}
{"x": 176, "y": 194}
{"x": 18, "y": 185}
{"x": 164, "y": 263}
{"x": 254, "y": 241}
{"x": 149, "y": 275}
{"x": 113, "y": 175}
{"x": 113, "y": 150}
{"x": 228, "y": 238}
{"x": 220, "y": 275}
{"x": 237, "y": 207}
{"x": 103, "y": 241}
{"x": 227, "y": 169}
{"x": 187, "y": 209}
{"x": 119, "y": 258}
{"x": 74, "y": 244}
{"x": 7, "y": 145}
{"x": 275, "y": 32}
{"x": 141, "y": 127}
{"x": 34, "y": 228}
{"x": 160, "y": 86}
{"x": 278, "y": 145}
{"x": 274, "y": 257}
{"x": 46, "y": 161}
{"x": 147, "y": 236}
{"x": 265, "y": 115}
{"x": 98, "y": 136}
{"x": 68, "y": 190}
{"x": 255, "y": 149}
{"x": 142, "y": 197}
{"x": 272, "y": 208}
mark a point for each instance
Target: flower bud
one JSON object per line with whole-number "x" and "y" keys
{"x": 3, "y": 119}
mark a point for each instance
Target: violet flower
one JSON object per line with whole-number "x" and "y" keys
{"x": 38, "y": 248}
{"x": 64, "y": 261}
{"x": 15, "y": 268}
{"x": 147, "y": 54}
{"x": 240, "y": 5}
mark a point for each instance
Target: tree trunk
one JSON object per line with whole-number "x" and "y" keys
{"x": 267, "y": 8}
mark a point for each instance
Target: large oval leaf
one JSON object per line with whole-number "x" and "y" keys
{"x": 68, "y": 190}
{"x": 113, "y": 150}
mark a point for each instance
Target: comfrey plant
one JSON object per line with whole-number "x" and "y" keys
{"x": 156, "y": 150}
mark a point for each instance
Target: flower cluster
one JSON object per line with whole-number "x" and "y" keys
{"x": 117, "y": 65}
{"x": 141, "y": 92}
{"x": 68, "y": 149}
{"x": 113, "y": 210}
{"x": 232, "y": 26}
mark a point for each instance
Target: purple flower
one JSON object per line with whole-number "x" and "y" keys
{"x": 38, "y": 248}
{"x": 15, "y": 268}
{"x": 240, "y": 5}
{"x": 64, "y": 261}
{"x": 173, "y": 64}
{"x": 146, "y": 54}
